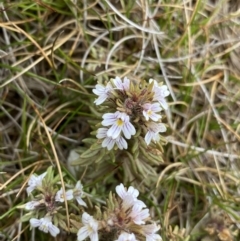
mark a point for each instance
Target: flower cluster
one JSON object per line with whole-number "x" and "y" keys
{"x": 75, "y": 193}
{"x": 48, "y": 201}
{"x": 131, "y": 107}
{"x": 126, "y": 218}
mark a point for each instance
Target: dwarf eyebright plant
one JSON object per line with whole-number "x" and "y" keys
{"x": 46, "y": 209}
{"x": 130, "y": 129}
{"x": 124, "y": 217}
{"x": 136, "y": 108}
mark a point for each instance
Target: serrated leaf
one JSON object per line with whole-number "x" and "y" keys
{"x": 89, "y": 153}
{"x": 101, "y": 155}
{"x": 96, "y": 146}
{"x": 63, "y": 225}
{"x": 26, "y": 217}
{"x": 149, "y": 157}
{"x": 112, "y": 156}
{"x": 135, "y": 146}
{"x": 89, "y": 140}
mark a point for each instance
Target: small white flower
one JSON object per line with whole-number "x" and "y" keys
{"x": 35, "y": 182}
{"x": 122, "y": 192}
{"x": 125, "y": 85}
{"x": 149, "y": 231}
{"x": 103, "y": 92}
{"x": 118, "y": 121}
{"x": 109, "y": 142}
{"x": 150, "y": 110}
{"x": 129, "y": 196}
{"x": 60, "y": 197}
{"x": 45, "y": 224}
{"x": 160, "y": 92}
{"x": 138, "y": 214}
{"x": 32, "y": 205}
{"x": 128, "y": 202}
{"x": 126, "y": 237}
{"x": 78, "y": 193}
{"x": 153, "y": 132}
{"x": 90, "y": 228}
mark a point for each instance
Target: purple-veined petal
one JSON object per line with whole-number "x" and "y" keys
{"x": 108, "y": 142}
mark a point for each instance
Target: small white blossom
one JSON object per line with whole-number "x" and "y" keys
{"x": 45, "y": 224}
{"x": 32, "y": 205}
{"x": 149, "y": 231}
{"x": 138, "y": 214}
{"x": 109, "y": 142}
{"x": 129, "y": 196}
{"x": 125, "y": 85}
{"x": 103, "y": 92}
{"x": 122, "y": 192}
{"x": 90, "y": 228}
{"x": 126, "y": 237}
{"x": 128, "y": 202}
{"x": 153, "y": 132}
{"x": 118, "y": 121}
{"x": 78, "y": 193}
{"x": 150, "y": 111}
{"x": 60, "y": 197}
{"x": 160, "y": 92}
{"x": 35, "y": 182}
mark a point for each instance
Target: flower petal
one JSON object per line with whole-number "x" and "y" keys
{"x": 53, "y": 230}
{"x": 114, "y": 131}
{"x": 121, "y": 143}
{"x": 82, "y": 233}
{"x": 35, "y": 222}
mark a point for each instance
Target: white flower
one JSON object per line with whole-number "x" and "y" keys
{"x": 109, "y": 142}
{"x": 45, "y": 224}
{"x": 129, "y": 196}
{"x": 119, "y": 121}
{"x": 60, "y": 197}
{"x": 78, "y": 193}
{"x": 126, "y": 237}
{"x": 122, "y": 192}
{"x": 149, "y": 231}
{"x": 35, "y": 182}
{"x": 138, "y": 214}
{"x": 103, "y": 92}
{"x": 90, "y": 228}
{"x": 153, "y": 132}
{"x": 160, "y": 92}
{"x": 149, "y": 111}
{"x": 32, "y": 205}
{"x": 125, "y": 85}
